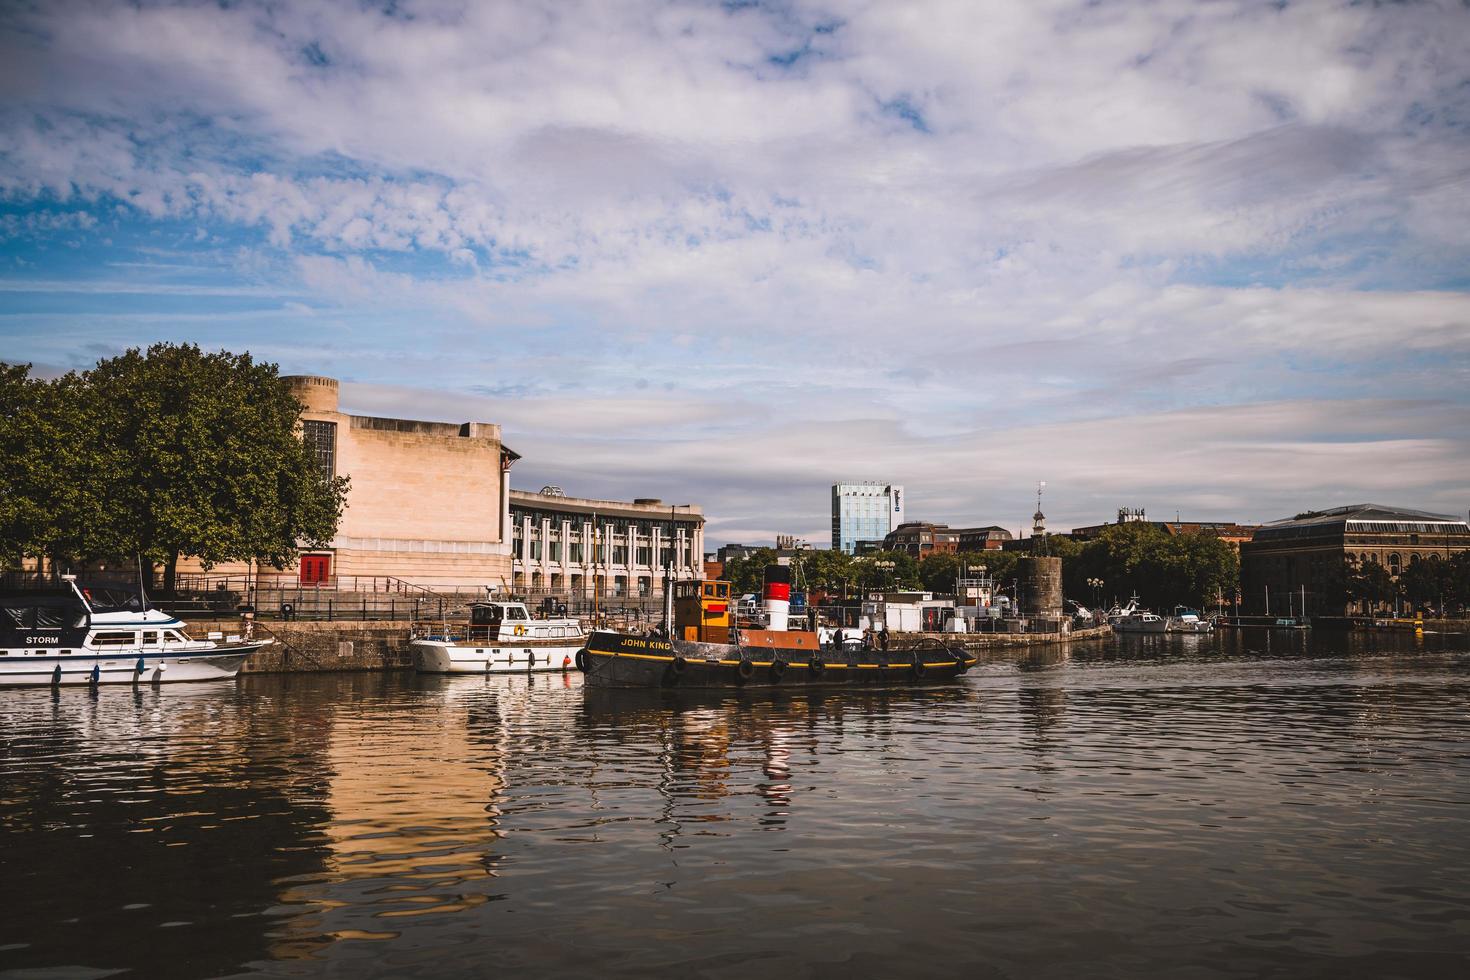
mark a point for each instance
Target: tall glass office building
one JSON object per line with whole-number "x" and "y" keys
{"x": 864, "y": 512}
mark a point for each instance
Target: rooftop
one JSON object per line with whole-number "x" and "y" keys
{"x": 1356, "y": 513}
{"x": 1361, "y": 517}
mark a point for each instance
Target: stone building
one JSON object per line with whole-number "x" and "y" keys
{"x": 580, "y": 548}
{"x": 429, "y": 502}
{"x": 1296, "y": 566}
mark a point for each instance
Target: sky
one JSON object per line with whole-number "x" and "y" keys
{"x": 1205, "y": 258}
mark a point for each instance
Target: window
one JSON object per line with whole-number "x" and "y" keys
{"x": 574, "y": 553}
{"x": 150, "y": 638}
{"x": 321, "y": 440}
{"x": 114, "y": 639}
{"x": 554, "y": 550}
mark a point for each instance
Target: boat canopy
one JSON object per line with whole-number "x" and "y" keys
{"x": 41, "y": 610}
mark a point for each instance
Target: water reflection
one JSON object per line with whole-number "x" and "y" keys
{"x": 125, "y": 813}
{"x": 1242, "y": 803}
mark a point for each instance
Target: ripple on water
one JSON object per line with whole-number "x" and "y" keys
{"x": 1202, "y": 808}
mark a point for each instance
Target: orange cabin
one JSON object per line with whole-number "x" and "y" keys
{"x": 702, "y": 611}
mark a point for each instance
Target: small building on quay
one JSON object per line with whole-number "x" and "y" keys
{"x": 581, "y": 548}
{"x": 1297, "y": 566}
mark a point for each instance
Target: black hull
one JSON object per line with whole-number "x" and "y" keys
{"x": 615, "y": 660}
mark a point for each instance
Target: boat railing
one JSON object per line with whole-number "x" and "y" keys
{"x": 462, "y": 632}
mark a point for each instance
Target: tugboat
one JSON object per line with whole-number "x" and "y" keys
{"x": 704, "y": 649}
{"x": 65, "y": 637}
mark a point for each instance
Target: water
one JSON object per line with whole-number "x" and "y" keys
{"x": 1242, "y": 805}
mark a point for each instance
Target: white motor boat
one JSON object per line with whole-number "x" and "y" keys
{"x": 500, "y": 638}
{"x": 1186, "y": 620}
{"x": 1132, "y": 619}
{"x": 65, "y": 637}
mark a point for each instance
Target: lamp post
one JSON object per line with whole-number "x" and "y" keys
{"x": 883, "y": 566}
{"x": 1097, "y": 585}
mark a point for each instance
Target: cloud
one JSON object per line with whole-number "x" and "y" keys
{"x": 765, "y": 244}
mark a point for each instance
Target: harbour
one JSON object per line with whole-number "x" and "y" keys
{"x": 733, "y": 490}
{"x": 1259, "y": 802}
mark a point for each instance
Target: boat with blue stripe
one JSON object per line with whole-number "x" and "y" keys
{"x": 65, "y": 636}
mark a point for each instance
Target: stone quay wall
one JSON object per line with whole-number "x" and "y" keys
{"x": 1001, "y": 641}
{"x": 317, "y": 647}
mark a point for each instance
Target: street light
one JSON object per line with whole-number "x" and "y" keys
{"x": 883, "y": 565}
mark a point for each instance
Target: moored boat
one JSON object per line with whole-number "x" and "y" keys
{"x": 1186, "y": 620}
{"x": 500, "y": 637}
{"x": 707, "y": 651}
{"x": 65, "y": 637}
{"x": 1133, "y": 619}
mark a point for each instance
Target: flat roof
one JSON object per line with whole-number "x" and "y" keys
{"x": 586, "y": 506}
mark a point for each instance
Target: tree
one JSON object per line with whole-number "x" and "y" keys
{"x": 52, "y": 503}
{"x": 747, "y": 573}
{"x": 1428, "y": 582}
{"x": 1460, "y": 579}
{"x": 167, "y": 453}
{"x": 19, "y": 503}
{"x": 1163, "y": 569}
{"x": 885, "y": 570}
{"x": 1369, "y": 582}
{"x": 938, "y": 571}
{"x": 824, "y": 570}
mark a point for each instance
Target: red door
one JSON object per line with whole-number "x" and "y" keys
{"x": 315, "y": 569}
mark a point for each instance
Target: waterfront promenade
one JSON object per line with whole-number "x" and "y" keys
{"x": 1212, "y": 806}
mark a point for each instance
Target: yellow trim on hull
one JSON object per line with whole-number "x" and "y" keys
{"x": 834, "y": 665}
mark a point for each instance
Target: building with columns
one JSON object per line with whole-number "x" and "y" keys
{"x": 580, "y": 548}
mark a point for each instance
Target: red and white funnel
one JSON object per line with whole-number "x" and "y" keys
{"x": 777, "y": 596}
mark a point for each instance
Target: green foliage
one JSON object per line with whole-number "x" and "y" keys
{"x": 824, "y": 570}
{"x": 163, "y": 453}
{"x": 938, "y": 571}
{"x": 1371, "y": 583}
{"x": 1429, "y": 582}
{"x": 748, "y": 574}
{"x": 48, "y": 474}
{"x": 1163, "y": 569}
